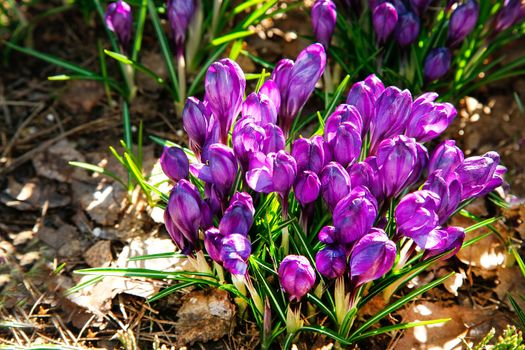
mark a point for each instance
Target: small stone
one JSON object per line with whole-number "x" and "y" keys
{"x": 205, "y": 310}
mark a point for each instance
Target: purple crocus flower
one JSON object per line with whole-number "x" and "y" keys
{"x": 200, "y": 124}
{"x": 344, "y": 113}
{"x": 307, "y": 187}
{"x": 437, "y": 63}
{"x": 407, "y": 29}
{"x": 363, "y": 99}
{"x": 448, "y": 190}
{"x": 188, "y": 211}
{"x": 328, "y": 235}
{"x": 371, "y": 257}
{"x": 213, "y": 243}
{"x": 119, "y": 20}
{"x": 238, "y": 217}
{"x": 296, "y": 276}
{"x": 220, "y": 168}
{"x": 428, "y": 119}
{"x": 447, "y": 157}
{"x": 247, "y": 138}
{"x": 311, "y": 154}
{"x": 475, "y": 172}
{"x": 509, "y": 14}
{"x": 235, "y": 251}
{"x": 180, "y": 13}
{"x": 274, "y": 172}
{"x": 260, "y": 107}
{"x": 355, "y": 214}
{"x": 375, "y": 84}
{"x": 462, "y": 21}
{"x": 452, "y": 237}
{"x": 335, "y": 184}
{"x": 384, "y": 19}
{"x": 400, "y": 161}
{"x": 324, "y": 16}
{"x": 174, "y": 163}
{"x": 346, "y": 144}
{"x": 296, "y": 81}
{"x": 416, "y": 216}
{"x": 392, "y": 111}
{"x": 224, "y": 85}
{"x": 331, "y": 261}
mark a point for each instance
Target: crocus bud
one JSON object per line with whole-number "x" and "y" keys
{"x": 199, "y": 124}
{"x": 296, "y": 81}
{"x": 416, "y": 215}
{"x": 328, "y": 235}
{"x": 437, "y": 63}
{"x": 224, "y": 85}
{"x": 296, "y": 276}
{"x": 220, "y": 168}
{"x": 331, "y": 261}
{"x": 247, "y": 138}
{"x": 180, "y": 13}
{"x": 260, "y": 107}
{"x": 399, "y": 163}
{"x": 462, "y": 21}
{"x": 407, "y": 29}
{"x": 213, "y": 243}
{"x": 508, "y": 15}
{"x": 176, "y": 235}
{"x": 371, "y": 257}
{"x": 365, "y": 174}
{"x": 284, "y": 172}
{"x": 346, "y": 144}
{"x": 324, "y": 16}
{"x": 447, "y": 157}
{"x": 188, "y": 211}
{"x": 375, "y": 84}
{"x": 453, "y": 238}
{"x": 344, "y": 113}
{"x": 311, "y": 154}
{"x": 269, "y": 89}
{"x": 391, "y": 115}
{"x": 119, "y": 20}
{"x": 307, "y": 187}
{"x": 428, "y": 119}
{"x": 174, "y": 163}
{"x": 238, "y": 217}
{"x": 384, "y": 19}
{"x": 362, "y": 97}
{"x": 448, "y": 189}
{"x": 273, "y": 140}
{"x": 355, "y": 214}
{"x": 475, "y": 172}
{"x": 235, "y": 251}
{"x": 335, "y": 184}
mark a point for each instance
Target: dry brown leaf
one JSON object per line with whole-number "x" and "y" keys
{"x": 466, "y": 323}
{"x": 53, "y": 163}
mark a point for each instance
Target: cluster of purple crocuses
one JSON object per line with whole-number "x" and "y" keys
{"x": 369, "y": 157}
{"x": 401, "y": 19}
